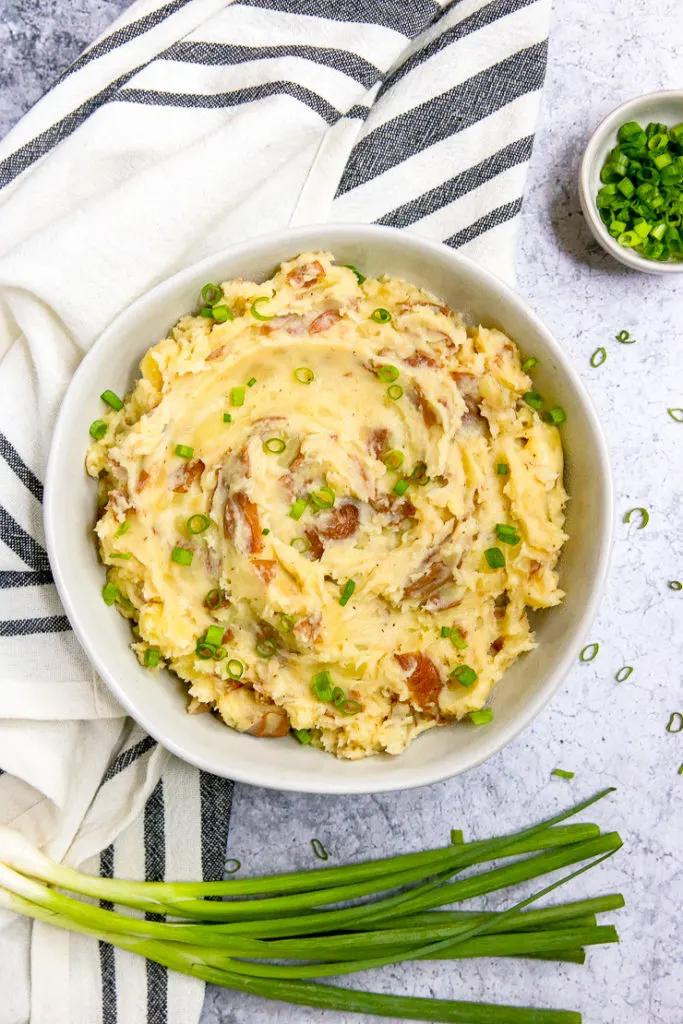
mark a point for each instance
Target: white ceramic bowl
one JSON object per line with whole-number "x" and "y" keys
{"x": 666, "y": 107}
{"x": 158, "y": 702}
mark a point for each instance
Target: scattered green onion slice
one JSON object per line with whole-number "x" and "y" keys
{"x": 319, "y": 850}
{"x": 265, "y": 647}
{"x": 123, "y": 528}
{"x": 675, "y": 723}
{"x": 590, "y": 652}
{"x": 98, "y": 428}
{"x": 599, "y": 357}
{"x": 207, "y": 312}
{"x": 110, "y": 593}
{"x": 507, "y": 534}
{"x": 254, "y": 311}
{"x": 219, "y": 654}
{"x": 298, "y": 508}
{"x": 394, "y": 459}
{"x": 232, "y": 870}
{"x": 562, "y": 774}
{"x": 338, "y": 696}
{"x": 237, "y": 396}
{"x": 112, "y": 400}
{"x": 381, "y": 315}
{"x": 304, "y": 375}
{"x": 323, "y": 498}
{"x": 214, "y": 599}
{"x": 151, "y": 657}
{"x": 387, "y": 373}
{"x": 125, "y": 555}
{"x": 300, "y": 544}
{"x": 557, "y": 415}
{"x": 214, "y": 636}
{"x": 529, "y": 364}
{"x": 400, "y": 487}
{"x": 184, "y": 451}
{"x": 264, "y": 533}
{"x": 274, "y": 445}
{"x": 676, "y": 414}
{"x": 394, "y": 392}
{"x": 359, "y": 276}
{"x": 182, "y": 556}
{"x": 204, "y": 651}
{"x": 222, "y": 313}
{"x": 321, "y": 686}
{"x": 502, "y": 469}
{"x": 198, "y": 523}
{"x": 445, "y": 631}
{"x": 495, "y": 558}
{"x": 349, "y": 707}
{"x": 623, "y": 673}
{"x": 457, "y": 836}
{"x": 251, "y": 382}
{"x": 285, "y": 623}
{"x": 457, "y": 639}
{"x": 211, "y": 294}
{"x": 465, "y": 675}
{"x": 419, "y": 475}
{"x": 625, "y": 338}
{"x": 302, "y": 736}
{"x": 644, "y": 516}
{"x": 227, "y": 418}
{"x": 235, "y": 668}
{"x": 346, "y": 593}
{"x": 482, "y": 717}
{"x": 675, "y": 585}
{"x": 533, "y": 399}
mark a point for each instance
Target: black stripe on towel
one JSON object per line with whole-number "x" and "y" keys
{"x": 129, "y": 757}
{"x": 28, "y": 627}
{"x": 444, "y": 115}
{"x": 155, "y": 869}
{"x": 21, "y": 543}
{"x": 223, "y": 54}
{"x": 215, "y": 796}
{"x": 429, "y": 202}
{"x": 407, "y": 18}
{"x": 107, "y": 955}
{"x": 487, "y": 15}
{"x": 17, "y": 578}
{"x": 124, "y": 35}
{"x": 18, "y": 466}
{"x": 485, "y": 223}
{"x": 358, "y": 110}
{"x": 221, "y": 100}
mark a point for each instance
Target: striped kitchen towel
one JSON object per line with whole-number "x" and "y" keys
{"x": 190, "y": 126}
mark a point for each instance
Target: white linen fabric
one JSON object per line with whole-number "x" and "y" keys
{"x": 187, "y": 127}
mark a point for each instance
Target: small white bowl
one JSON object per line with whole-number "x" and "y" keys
{"x": 666, "y": 107}
{"x": 158, "y": 702}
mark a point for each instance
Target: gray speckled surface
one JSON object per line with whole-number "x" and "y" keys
{"x": 608, "y": 733}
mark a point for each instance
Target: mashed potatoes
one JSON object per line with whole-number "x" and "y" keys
{"x": 326, "y": 506}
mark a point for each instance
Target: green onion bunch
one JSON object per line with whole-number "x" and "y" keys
{"x": 272, "y": 935}
{"x": 641, "y": 201}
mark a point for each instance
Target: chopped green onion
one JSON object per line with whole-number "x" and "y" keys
{"x": 251, "y": 382}
{"x": 562, "y": 774}
{"x": 457, "y": 639}
{"x": 302, "y": 736}
{"x": 110, "y": 593}
{"x": 183, "y": 451}
{"x": 214, "y": 635}
{"x": 349, "y": 707}
{"x": 304, "y": 375}
{"x": 625, "y": 338}
{"x": 235, "y": 668}
{"x": 381, "y": 316}
{"x": 151, "y": 657}
{"x": 502, "y": 469}
{"x": 338, "y": 696}
{"x": 675, "y": 585}
{"x": 457, "y": 837}
{"x": 98, "y": 428}
{"x": 623, "y": 673}
{"x": 323, "y": 498}
{"x": 211, "y": 294}
{"x": 529, "y": 364}
{"x": 204, "y": 651}
{"x": 207, "y": 312}
{"x": 465, "y": 675}
{"x": 400, "y": 487}
{"x": 507, "y": 534}
{"x": 533, "y": 399}
{"x": 297, "y": 509}
{"x": 675, "y": 723}
{"x": 285, "y": 623}
{"x": 264, "y": 533}
{"x": 214, "y": 599}
{"x": 182, "y": 556}
{"x": 254, "y": 311}
{"x": 237, "y": 396}
{"x": 227, "y": 418}
{"x": 219, "y": 654}
{"x": 234, "y": 868}
{"x": 395, "y": 391}
{"x": 599, "y": 357}
{"x": 557, "y": 415}
{"x": 644, "y": 516}
{"x": 123, "y": 528}
{"x": 221, "y": 314}
{"x": 319, "y": 850}
{"x": 676, "y": 414}
{"x": 419, "y": 475}
{"x": 387, "y": 373}
{"x": 198, "y": 523}
{"x": 394, "y": 459}
{"x": 321, "y": 686}
{"x": 120, "y": 554}
{"x": 346, "y": 593}
{"x": 445, "y": 631}
{"x": 112, "y": 400}
{"x": 300, "y": 544}
{"x": 274, "y": 445}
{"x": 495, "y": 558}
{"x": 589, "y": 652}
{"x": 265, "y": 647}
{"x": 482, "y": 717}
{"x": 359, "y": 276}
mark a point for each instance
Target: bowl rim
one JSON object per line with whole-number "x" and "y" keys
{"x": 250, "y": 775}
{"x": 608, "y": 124}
